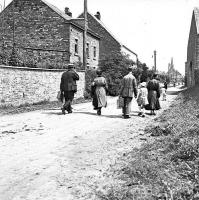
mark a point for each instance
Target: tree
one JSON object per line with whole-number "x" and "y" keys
{"x": 114, "y": 66}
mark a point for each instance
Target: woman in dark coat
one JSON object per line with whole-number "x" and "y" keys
{"x": 153, "y": 87}
{"x": 99, "y": 87}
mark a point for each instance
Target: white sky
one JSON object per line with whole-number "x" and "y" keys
{"x": 144, "y": 26}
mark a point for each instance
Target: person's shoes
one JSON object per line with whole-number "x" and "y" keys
{"x": 63, "y": 111}
{"x": 126, "y": 117}
{"x": 70, "y": 111}
{"x": 143, "y": 115}
{"x": 139, "y": 114}
{"x": 99, "y": 112}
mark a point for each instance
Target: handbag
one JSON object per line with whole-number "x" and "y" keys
{"x": 120, "y": 102}
{"x": 60, "y": 96}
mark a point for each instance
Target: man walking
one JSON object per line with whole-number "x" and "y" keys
{"x": 129, "y": 87}
{"x": 69, "y": 87}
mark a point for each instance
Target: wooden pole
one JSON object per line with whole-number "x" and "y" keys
{"x": 85, "y": 35}
{"x": 155, "y": 60}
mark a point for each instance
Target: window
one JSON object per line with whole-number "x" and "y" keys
{"x": 87, "y": 50}
{"x": 94, "y": 52}
{"x": 76, "y": 46}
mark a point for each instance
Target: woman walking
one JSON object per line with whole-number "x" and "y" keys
{"x": 99, "y": 87}
{"x": 153, "y": 87}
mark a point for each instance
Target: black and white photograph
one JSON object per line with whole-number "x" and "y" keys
{"x": 99, "y": 100}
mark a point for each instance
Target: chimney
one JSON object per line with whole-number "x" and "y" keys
{"x": 67, "y": 12}
{"x": 98, "y": 16}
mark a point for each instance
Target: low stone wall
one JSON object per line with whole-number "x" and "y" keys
{"x": 21, "y": 85}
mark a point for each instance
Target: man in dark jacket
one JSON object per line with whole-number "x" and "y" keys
{"x": 69, "y": 87}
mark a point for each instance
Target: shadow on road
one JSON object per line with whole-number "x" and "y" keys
{"x": 133, "y": 113}
{"x": 95, "y": 114}
{"x": 173, "y": 92}
{"x": 52, "y": 113}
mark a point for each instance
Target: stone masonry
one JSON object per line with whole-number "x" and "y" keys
{"x": 41, "y": 34}
{"x": 19, "y": 86}
{"x": 192, "y": 63}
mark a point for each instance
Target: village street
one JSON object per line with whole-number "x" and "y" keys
{"x": 49, "y": 156}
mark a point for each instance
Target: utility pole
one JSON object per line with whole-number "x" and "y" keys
{"x": 85, "y": 35}
{"x": 155, "y": 60}
{"x": 13, "y": 22}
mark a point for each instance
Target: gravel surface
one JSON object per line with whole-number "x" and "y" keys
{"x": 49, "y": 156}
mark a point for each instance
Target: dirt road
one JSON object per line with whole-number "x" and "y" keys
{"x": 49, "y": 156}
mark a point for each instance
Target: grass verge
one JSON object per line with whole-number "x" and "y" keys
{"x": 42, "y": 105}
{"x": 167, "y": 167}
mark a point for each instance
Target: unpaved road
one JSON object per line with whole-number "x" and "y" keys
{"x": 49, "y": 156}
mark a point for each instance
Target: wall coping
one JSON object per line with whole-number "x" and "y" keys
{"x": 35, "y": 69}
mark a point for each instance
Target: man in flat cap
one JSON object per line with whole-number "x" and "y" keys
{"x": 128, "y": 90}
{"x": 69, "y": 87}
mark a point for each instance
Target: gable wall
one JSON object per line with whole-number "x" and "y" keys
{"x": 93, "y": 42}
{"x": 191, "y": 53}
{"x": 107, "y": 43}
{"x": 36, "y": 26}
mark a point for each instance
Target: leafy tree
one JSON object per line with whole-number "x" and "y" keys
{"x": 114, "y": 66}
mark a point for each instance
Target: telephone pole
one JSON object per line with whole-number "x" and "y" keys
{"x": 85, "y": 35}
{"x": 155, "y": 60}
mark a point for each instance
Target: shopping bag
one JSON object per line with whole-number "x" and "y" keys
{"x": 120, "y": 102}
{"x": 60, "y": 96}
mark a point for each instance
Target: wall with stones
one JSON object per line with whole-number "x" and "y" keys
{"x": 39, "y": 31}
{"x": 191, "y": 62}
{"x": 26, "y": 85}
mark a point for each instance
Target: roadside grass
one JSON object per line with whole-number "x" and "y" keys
{"x": 42, "y": 105}
{"x": 167, "y": 166}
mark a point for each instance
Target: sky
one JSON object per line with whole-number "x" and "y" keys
{"x": 144, "y": 26}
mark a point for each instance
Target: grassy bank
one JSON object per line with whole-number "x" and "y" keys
{"x": 167, "y": 166}
{"x": 43, "y": 105}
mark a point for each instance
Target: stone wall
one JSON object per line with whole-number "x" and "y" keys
{"x": 191, "y": 53}
{"x": 26, "y": 85}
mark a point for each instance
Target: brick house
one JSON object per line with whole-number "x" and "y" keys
{"x": 44, "y": 36}
{"x": 108, "y": 42}
{"x": 192, "y": 62}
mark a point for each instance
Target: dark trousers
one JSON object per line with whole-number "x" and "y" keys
{"x": 69, "y": 96}
{"x": 127, "y": 106}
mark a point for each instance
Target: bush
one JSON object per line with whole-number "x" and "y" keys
{"x": 114, "y": 66}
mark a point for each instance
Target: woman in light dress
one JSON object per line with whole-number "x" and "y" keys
{"x": 99, "y": 87}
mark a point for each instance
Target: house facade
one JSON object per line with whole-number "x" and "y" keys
{"x": 192, "y": 62}
{"x": 43, "y": 36}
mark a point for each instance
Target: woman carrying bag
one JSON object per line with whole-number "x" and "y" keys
{"x": 98, "y": 90}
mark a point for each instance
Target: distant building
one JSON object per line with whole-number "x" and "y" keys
{"x": 192, "y": 62}
{"x": 173, "y": 74}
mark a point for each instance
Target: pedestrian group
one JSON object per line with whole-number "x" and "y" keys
{"x": 146, "y": 94}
